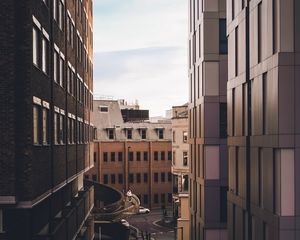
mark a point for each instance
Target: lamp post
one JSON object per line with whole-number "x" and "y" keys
{"x": 128, "y": 160}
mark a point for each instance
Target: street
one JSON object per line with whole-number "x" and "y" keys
{"x": 146, "y": 224}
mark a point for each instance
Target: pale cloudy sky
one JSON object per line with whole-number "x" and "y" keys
{"x": 141, "y": 52}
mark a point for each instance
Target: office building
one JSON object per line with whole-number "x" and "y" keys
{"x": 180, "y": 170}
{"x": 132, "y": 153}
{"x": 207, "y": 119}
{"x": 263, "y": 119}
{"x": 46, "y": 133}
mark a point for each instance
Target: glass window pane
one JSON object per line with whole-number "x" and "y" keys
{"x": 35, "y": 46}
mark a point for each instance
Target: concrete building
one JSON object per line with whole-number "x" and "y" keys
{"x": 180, "y": 170}
{"x": 46, "y": 133}
{"x": 207, "y": 119}
{"x": 263, "y": 119}
{"x": 133, "y": 155}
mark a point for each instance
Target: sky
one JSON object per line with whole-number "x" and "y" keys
{"x": 140, "y": 52}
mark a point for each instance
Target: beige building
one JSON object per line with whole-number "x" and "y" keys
{"x": 263, "y": 119}
{"x": 180, "y": 170}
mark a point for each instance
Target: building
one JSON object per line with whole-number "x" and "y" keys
{"x": 263, "y": 119}
{"x": 46, "y": 133}
{"x": 207, "y": 119}
{"x": 180, "y": 170}
{"x": 133, "y": 155}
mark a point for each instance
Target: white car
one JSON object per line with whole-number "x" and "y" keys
{"x": 143, "y": 210}
{"x": 125, "y": 223}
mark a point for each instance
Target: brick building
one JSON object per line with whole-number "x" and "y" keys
{"x": 134, "y": 155}
{"x": 45, "y": 104}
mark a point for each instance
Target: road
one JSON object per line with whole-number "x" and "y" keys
{"x": 146, "y": 224}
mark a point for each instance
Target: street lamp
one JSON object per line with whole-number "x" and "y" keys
{"x": 128, "y": 160}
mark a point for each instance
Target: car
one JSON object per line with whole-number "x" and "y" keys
{"x": 125, "y": 223}
{"x": 143, "y": 210}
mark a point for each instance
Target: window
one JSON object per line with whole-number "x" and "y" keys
{"x": 174, "y": 136}
{"x": 145, "y": 177}
{"x": 163, "y": 198}
{"x": 45, "y": 55}
{"x": 264, "y": 102}
{"x": 169, "y": 156}
{"x": 185, "y": 136}
{"x": 36, "y": 125}
{"x": 61, "y": 15}
{"x": 46, "y": 134}
{"x": 138, "y": 178}
{"x": 131, "y": 178}
{"x": 112, "y": 156}
{"x": 236, "y": 50}
{"x": 174, "y": 155}
{"x": 162, "y": 155}
{"x": 110, "y": 133}
{"x": 233, "y": 9}
{"x": 275, "y": 26}
{"x": 143, "y": 134}
{"x": 57, "y": 128}
{"x": 156, "y": 198}
{"x": 260, "y": 178}
{"x": 72, "y": 27}
{"x": 130, "y": 156}
{"x": 129, "y": 133}
{"x": 120, "y": 156}
{"x": 155, "y": 177}
{"x": 103, "y": 109}
{"x": 138, "y": 156}
{"x": 156, "y": 156}
{"x": 169, "y": 197}
{"x": 169, "y": 177}
{"x": 55, "y": 66}
{"x": 105, "y": 156}
{"x": 94, "y": 177}
{"x": 160, "y": 133}
{"x": 105, "y": 179}
{"x": 95, "y": 157}
{"x": 113, "y": 178}
{"x": 185, "y": 183}
{"x": 259, "y": 32}
{"x": 61, "y": 70}
{"x": 222, "y": 37}
{"x": 145, "y": 197}
{"x": 69, "y": 75}
{"x": 185, "y": 158}
{"x": 35, "y": 46}
{"x": 55, "y": 5}
{"x": 162, "y": 177}
{"x": 120, "y": 178}
{"x": 145, "y": 156}
{"x": 223, "y": 120}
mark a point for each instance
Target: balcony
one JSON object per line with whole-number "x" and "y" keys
{"x": 111, "y": 205}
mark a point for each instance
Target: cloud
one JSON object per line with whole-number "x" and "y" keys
{"x": 141, "y": 51}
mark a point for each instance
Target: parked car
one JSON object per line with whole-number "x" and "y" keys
{"x": 143, "y": 210}
{"x": 125, "y": 223}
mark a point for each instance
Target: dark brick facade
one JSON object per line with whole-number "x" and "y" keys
{"x": 41, "y": 185}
